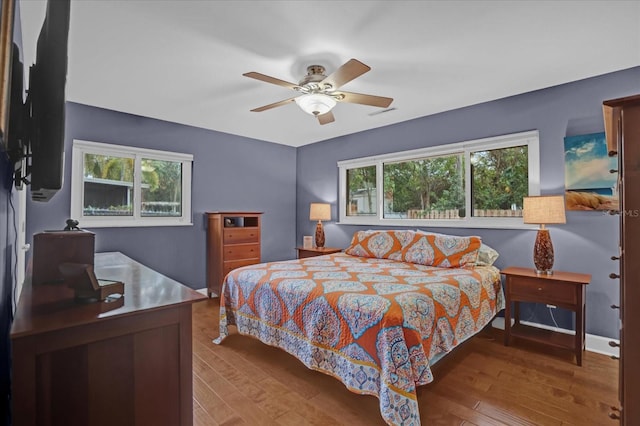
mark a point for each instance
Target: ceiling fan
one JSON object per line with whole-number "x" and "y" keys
{"x": 319, "y": 93}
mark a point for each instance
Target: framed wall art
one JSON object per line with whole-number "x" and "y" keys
{"x": 589, "y": 182}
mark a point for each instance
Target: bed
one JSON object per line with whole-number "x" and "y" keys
{"x": 374, "y": 317}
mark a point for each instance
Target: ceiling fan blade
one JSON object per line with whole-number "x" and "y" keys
{"x": 326, "y": 118}
{"x": 271, "y": 80}
{"x": 358, "y": 98}
{"x": 347, "y": 72}
{"x": 273, "y": 105}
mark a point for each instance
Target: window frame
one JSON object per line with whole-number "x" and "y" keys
{"x": 530, "y": 138}
{"x": 82, "y": 147}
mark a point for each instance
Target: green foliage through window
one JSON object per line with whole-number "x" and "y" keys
{"x": 115, "y": 185}
{"x": 500, "y": 180}
{"x": 361, "y": 197}
{"x": 460, "y": 184}
{"x": 414, "y": 189}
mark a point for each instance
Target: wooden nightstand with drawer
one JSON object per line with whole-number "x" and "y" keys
{"x": 316, "y": 251}
{"x": 562, "y": 289}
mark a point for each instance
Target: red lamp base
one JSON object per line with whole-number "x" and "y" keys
{"x": 543, "y": 253}
{"x": 319, "y": 235}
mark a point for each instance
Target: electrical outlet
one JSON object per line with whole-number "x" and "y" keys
{"x": 551, "y": 306}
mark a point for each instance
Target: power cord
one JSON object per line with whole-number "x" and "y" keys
{"x": 552, "y": 317}
{"x": 14, "y": 260}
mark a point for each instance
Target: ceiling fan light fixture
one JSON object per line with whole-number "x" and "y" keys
{"x": 315, "y": 103}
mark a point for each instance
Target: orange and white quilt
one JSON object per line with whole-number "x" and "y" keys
{"x": 374, "y": 324}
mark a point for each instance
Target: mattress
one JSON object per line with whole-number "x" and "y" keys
{"x": 374, "y": 324}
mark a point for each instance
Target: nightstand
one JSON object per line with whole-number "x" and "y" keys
{"x": 316, "y": 251}
{"x": 562, "y": 289}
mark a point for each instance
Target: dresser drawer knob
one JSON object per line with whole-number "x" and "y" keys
{"x": 539, "y": 288}
{"x": 614, "y": 344}
{"x": 615, "y": 257}
{"x": 614, "y": 413}
{"x": 614, "y": 276}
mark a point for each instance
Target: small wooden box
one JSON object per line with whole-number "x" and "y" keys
{"x": 52, "y": 248}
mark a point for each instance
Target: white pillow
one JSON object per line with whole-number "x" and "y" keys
{"x": 486, "y": 255}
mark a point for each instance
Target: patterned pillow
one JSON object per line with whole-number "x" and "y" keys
{"x": 444, "y": 251}
{"x": 384, "y": 244}
{"x": 486, "y": 255}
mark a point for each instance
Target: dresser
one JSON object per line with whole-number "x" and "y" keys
{"x": 233, "y": 240}
{"x": 125, "y": 362}
{"x": 622, "y": 127}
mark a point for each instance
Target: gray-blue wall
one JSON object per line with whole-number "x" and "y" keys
{"x": 585, "y": 244}
{"x": 229, "y": 173}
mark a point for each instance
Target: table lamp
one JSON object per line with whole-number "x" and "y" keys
{"x": 542, "y": 210}
{"x": 319, "y": 212}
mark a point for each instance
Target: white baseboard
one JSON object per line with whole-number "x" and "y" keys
{"x": 593, "y": 343}
{"x": 203, "y": 291}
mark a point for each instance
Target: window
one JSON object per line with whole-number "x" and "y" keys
{"x": 113, "y": 185}
{"x": 362, "y": 200}
{"x": 478, "y": 183}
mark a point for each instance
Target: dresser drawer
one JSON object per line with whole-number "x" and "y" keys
{"x": 539, "y": 290}
{"x": 241, "y": 235}
{"x": 241, "y": 251}
{"x": 235, "y": 264}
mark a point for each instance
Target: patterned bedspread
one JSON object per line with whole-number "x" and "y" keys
{"x": 374, "y": 324}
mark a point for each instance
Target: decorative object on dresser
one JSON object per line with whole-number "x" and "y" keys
{"x": 307, "y": 242}
{"x": 544, "y": 209}
{"x": 319, "y": 212}
{"x": 563, "y": 289}
{"x": 233, "y": 240}
{"x": 622, "y": 128}
{"x": 315, "y": 251}
{"x": 53, "y": 248}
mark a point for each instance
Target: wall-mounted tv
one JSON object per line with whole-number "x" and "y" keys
{"x": 7, "y": 13}
{"x": 35, "y": 141}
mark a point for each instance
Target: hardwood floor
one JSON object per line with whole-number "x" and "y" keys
{"x": 245, "y": 382}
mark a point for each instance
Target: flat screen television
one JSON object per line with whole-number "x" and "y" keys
{"x": 36, "y": 128}
{"x": 7, "y": 17}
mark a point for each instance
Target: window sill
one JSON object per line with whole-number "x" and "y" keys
{"x": 86, "y": 223}
{"x": 472, "y": 223}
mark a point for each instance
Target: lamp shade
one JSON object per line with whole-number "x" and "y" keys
{"x": 320, "y": 211}
{"x": 544, "y": 209}
{"x": 315, "y": 103}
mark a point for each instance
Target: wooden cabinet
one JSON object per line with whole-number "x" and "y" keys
{"x": 315, "y": 251}
{"x": 622, "y": 126}
{"x": 233, "y": 240}
{"x": 123, "y": 362}
{"x": 562, "y": 289}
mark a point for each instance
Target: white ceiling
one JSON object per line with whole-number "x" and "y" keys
{"x": 182, "y": 61}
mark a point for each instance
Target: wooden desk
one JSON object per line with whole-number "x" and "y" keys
{"x": 126, "y": 362}
{"x": 562, "y": 289}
